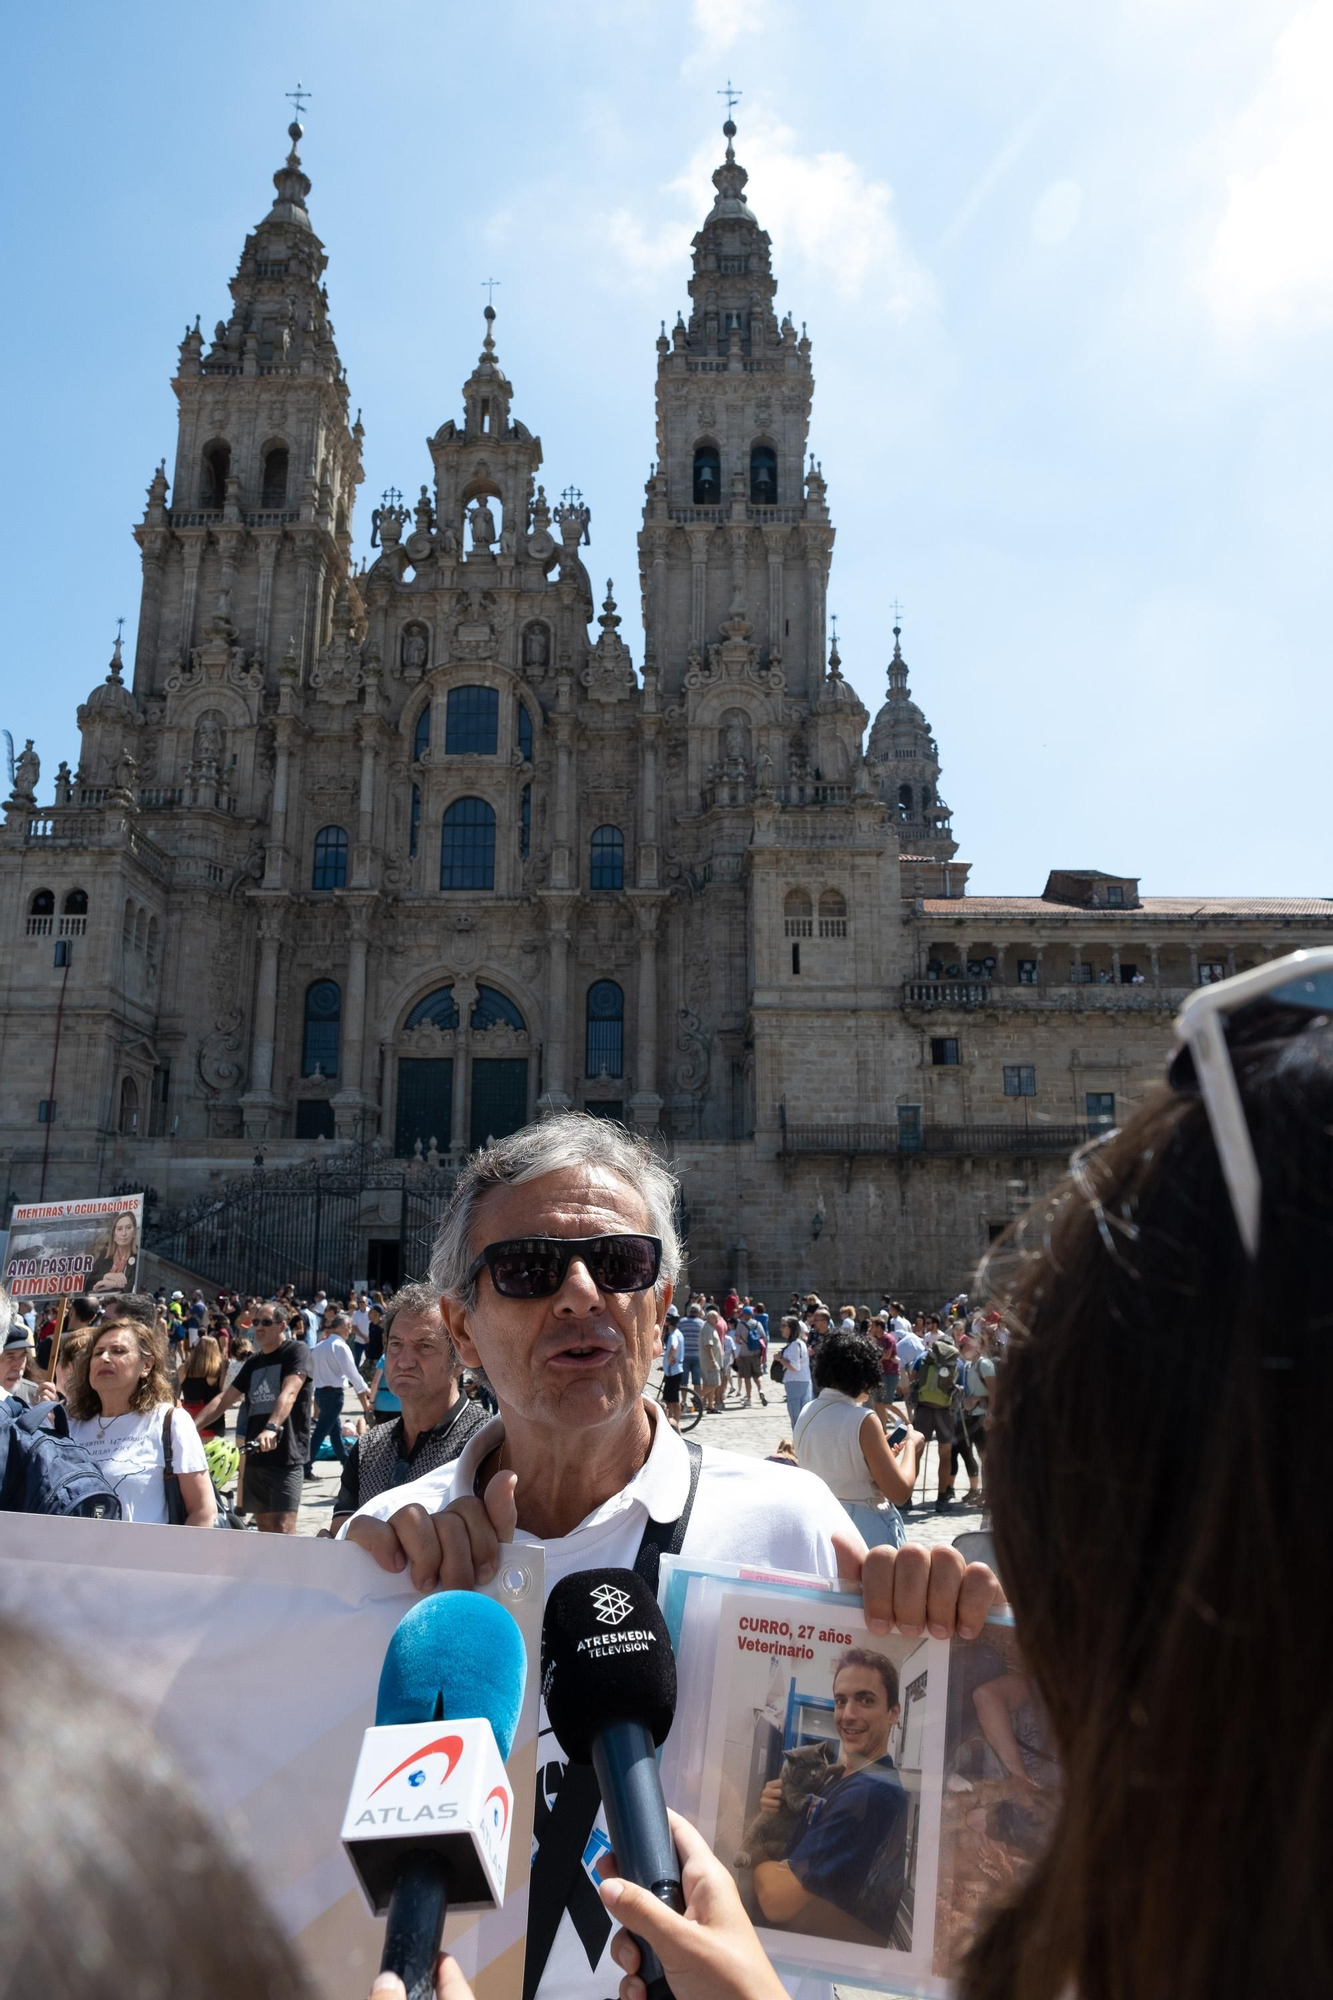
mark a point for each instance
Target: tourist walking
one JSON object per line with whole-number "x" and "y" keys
{"x": 333, "y": 1372}
{"x": 795, "y": 1359}
{"x": 839, "y": 1437}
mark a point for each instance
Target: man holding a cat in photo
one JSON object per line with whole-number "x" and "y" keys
{"x": 841, "y": 1865}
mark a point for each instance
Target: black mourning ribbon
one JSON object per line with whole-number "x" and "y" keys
{"x": 574, "y": 1788}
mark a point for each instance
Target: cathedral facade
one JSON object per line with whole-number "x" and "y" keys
{"x": 408, "y": 854}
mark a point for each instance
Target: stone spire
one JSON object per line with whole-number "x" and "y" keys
{"x": 486, "y": 393}
{"x": 906, "y": 761}
{"x": 733, "y": 284}
{"x": 280, "y": 315}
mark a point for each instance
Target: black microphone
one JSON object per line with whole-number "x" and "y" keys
{"x": 609, "y": 1684}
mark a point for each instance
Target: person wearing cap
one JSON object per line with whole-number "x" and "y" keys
{"x": 14, "y": 1358}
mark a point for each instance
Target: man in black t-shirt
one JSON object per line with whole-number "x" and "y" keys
{"x": 275, "y": 1384}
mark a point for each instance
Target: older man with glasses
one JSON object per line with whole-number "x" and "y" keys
{"x": 555, "y": 1264}
{"x": 275, "y": 1384}
{"x": 435, "y": 1418}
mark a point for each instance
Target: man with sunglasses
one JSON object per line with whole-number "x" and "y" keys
{"x": 275, "y": 1384}
{"x": 556, "y": 1262}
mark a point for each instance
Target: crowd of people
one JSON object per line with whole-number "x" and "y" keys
{"x": 146, "y": 1384}
{"x": 1165, "y": 1593}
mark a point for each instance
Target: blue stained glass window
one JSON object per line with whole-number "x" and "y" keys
{"x": 607, "y": 858}
{"x": 330, "y": 869}
{"x": 414, "y": 830}
{"x": 605, "y": 1051}
{"x": 467, "y": 849}
{"x": 492, "y": 1007}
{"x": 472, "y": 721}
{"x": 525, "y": 824}
{"x": 440, "y": 1008}
{"x": 323, "y": 1025}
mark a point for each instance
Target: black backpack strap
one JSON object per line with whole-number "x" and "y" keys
{"x": 559, "y": 1881}
{"x": 167, "y": 1464}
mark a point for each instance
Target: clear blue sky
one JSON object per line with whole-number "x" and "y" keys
{"x": 1068, "y": 272}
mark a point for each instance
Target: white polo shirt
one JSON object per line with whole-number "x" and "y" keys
{"x": 746, "y": 1510}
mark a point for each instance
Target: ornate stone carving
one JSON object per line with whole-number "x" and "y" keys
{"x": 27, "y": 773}
{"x": 220, "y": 1061}
{"x": 428, "y": 1040}
{"x": 414, "y": 650}
{"x": 609, "y": 674}
{"x": 696, "y": 1050}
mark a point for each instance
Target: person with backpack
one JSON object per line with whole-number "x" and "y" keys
{"x": 123, "y": 1412}
{"x": 751, "y": 1345}
{"x": 938, "y": 1379}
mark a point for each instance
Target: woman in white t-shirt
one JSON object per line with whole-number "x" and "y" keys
{"x": 838, "y": 1437}
{"x": 120, "y": 1402}
{"x": 795, "y": 1359}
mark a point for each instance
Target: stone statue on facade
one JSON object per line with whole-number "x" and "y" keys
{"x": 414, "y": 650}
{"x": 483, "y": 526}
{"x": 208, "y": 741}
{"x": 27, "y": 772}
{"x": 536, "y": 646}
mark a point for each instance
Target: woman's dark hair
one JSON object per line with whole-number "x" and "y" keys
{"x": 154, "y": 1388}
{"x": 114, "y": 1881}
{"x": 846, "y": 1361}
{"x": 862, "y": 1656}
{"x": 1156, "y": 1467}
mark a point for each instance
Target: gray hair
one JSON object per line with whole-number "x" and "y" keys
{"x": 573, "y": 1139}
{"x": 418, "y": 1299}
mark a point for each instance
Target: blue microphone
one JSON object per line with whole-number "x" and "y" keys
{"x": 427, "y": 1823}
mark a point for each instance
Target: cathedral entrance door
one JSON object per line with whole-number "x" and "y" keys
{"x": 425, "y": 1103}
{"x": 499, "y": 1097}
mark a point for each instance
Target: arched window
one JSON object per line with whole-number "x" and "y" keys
{"x": 213, "y": 474}
{"x": 832, "y": 914}
{"x": 467, "y": 849}
{"x": 525, "y": 824}
{"x": 330, "y": 869}
{"x": 129, "y": 1107}
{"x": 524, "y": 733}
{"x": 707, "y": 476}
{"x": 141, "y": 929}
{"x": 798, "y": 914}
{"x": 904, "y": 801}
{"x": 43, "y": 903}
{"x": 606, "y": 858}
{"x": 273, "y": 489}
{"x": 421, "y": 734}
{"x": 414, "y": 823}
{"x": 323, "y": 1024}
{"x": 439, "y": 1008}
{"x": 472, "y": 721}
{"x": 604, "y": 1054}
{"x": 493, "y": 1007}
{"x": 76, "y": 903}
{"x": 763, "y": 475}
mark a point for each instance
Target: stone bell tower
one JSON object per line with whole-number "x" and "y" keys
{"x": 735, "y": 526}
{"x": 253, "y": 549}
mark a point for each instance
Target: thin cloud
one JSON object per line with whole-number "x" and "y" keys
{"x": 719, "y": 25}
{"x": 1270, "y": 264}
{"x": 829, "y": 220}
{"x": 1008, "y": 157}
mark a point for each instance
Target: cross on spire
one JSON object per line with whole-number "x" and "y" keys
{"x": 897, "y": 611}
{"x": 120, "y": 630}
{"x": 488, "y": 286}
{"x": 391, "y": 497}
{"x": 297, "y": 98}
{"x": 572, "y": 496}
{"x": 733, "y": 97}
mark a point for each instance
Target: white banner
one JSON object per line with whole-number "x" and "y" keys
{"x": 278, "y": 1641}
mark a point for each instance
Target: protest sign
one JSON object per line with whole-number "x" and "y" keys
{"x": 279, "y": 1642}
{"x": 57, "y": 1248}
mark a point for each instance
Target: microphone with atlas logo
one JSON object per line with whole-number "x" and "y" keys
{"x": 609, "y": 1684}
{"x": 427, "y": 1822}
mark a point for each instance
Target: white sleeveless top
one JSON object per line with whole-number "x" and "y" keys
{"x": 827, "y": 1438}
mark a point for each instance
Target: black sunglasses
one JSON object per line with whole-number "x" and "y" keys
{"x": 534, "y": 1267}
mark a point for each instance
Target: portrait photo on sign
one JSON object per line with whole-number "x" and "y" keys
{"x": 821, "y": 1792}
{"x": 58, "y": 1247}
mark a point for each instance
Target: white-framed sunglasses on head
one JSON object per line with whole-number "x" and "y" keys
{"x": 1302, "y": 980}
